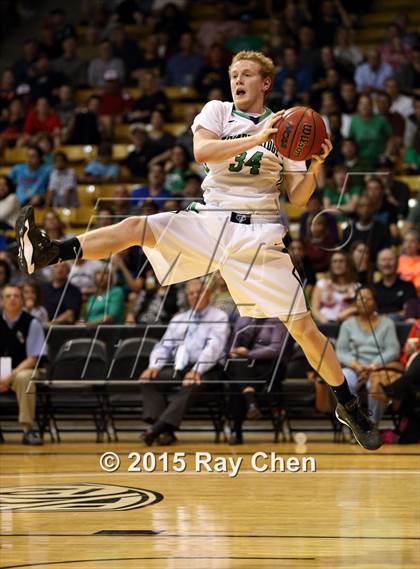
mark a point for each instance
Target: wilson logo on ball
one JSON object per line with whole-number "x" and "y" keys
{"x": 303, "y": 139}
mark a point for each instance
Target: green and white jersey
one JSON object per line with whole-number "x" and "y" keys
{"x": 250, "y": 181}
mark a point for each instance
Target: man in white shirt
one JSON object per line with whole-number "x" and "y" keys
{"x": 189, "y": 352}
{"x": 399, "y": 103}
{"x": 238, "y": 230}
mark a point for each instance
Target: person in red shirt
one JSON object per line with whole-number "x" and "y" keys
{"x": 42, "y": 119}
{"x": 114, "y": 102}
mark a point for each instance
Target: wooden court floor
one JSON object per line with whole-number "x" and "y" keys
{"x": 58, "y": 508}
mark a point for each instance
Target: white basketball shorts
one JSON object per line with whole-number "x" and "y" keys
{"x": 251, "y": 258}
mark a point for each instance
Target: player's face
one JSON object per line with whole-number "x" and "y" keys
{"x": 248, "y": 86}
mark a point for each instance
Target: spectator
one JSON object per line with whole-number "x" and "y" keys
{"x": 31, "y": 292}
{"x": 22, "y": 342}
{"x": 186, "y": 136}
{"x": 192, "y": 190}
{"x": 332, "y": 15}
{"x": 400, "y": 103}
{"x": 85, "y": 127}
{"x": 409, "y": 74}
{"x": 7, "y": 88}
{"x": 23, "y": 66}
{"x": 215, "y": 29}
{"x": 366, "y": 342}
{"x": 125, "y": 48}
{"x": 102, "y": 168}
{"x": 106, "y": 305}
{"x": 287, "y": 97}
{"x": 314, "y": 206}
{"x": 391, "y": 292}
{"x": 292, "y": 68}
{"x": 244, "y": 39}
{"x": 69, "y": 63}
{"x": 345, "y": 51}
{"x": 154, "y": 304}
{"x": 393, "y": 50}
{"x": 105, "y": 216}
{"x": 183, "y": 67}
{"x": 374, "y": 233}
{"x": 151, "y": 58}
{"x": 255, "y": 347}
{"x": 62, "y": 28}
{"x": 31, "y": 178}
{"x": 307, "y": 48}
{"x": 350, "y": 152}
{"x": 341, "y": 193}
{"x": 62, "y": 186}
{"x": 412, "y": 123}
{"x": 332, "y": 296}
{"x": 61, "y": 299}
{"x": 104, "y": 62}
{"x": 42, "y": 119}
{"x": 196, "y": 359}
{"x": 371, "y": 76}
{"x": 152, "y": 99}
{"x": 396, "y": 191}
{"x": 114, "y": 102}
{"x": 370, "y": 131}
{"x": 9, "y": 204}
{"x": 303, "y": 264}
{"x": 138, "y": 159}
{"x": 177, "y": 169}
{"x": 65, "y": 108}
{"x": 360, "y": 255}
{"x": 412, "y": 156}
{"x": 172, "y": 21}
{"x": 214, "y": 73}
{"x": 319, "y": 242}
{"x": 395, "y": 120}
{"x": 53, "y": 226}
{"x": 154, "y": 191}
{"x": 348, "y": 98}
{"x": 409, "y": 261}
{"x": 83, "y": 275}
{"x": 45, "y": 142}
{"x": 385, "y": 209}
{"x": 11, "y": 123}
{"x": 45, "y": 80}
{"x": 221, "y": 297}
{"x": 161, "y": 139}
{"x": 5, "y": 274}
{"x": 48, "y": 45}
{"x": 121, "y": 202}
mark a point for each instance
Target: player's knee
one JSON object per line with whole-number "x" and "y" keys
{"x": 137, "y": 227}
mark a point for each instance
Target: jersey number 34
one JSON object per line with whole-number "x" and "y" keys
{"x": 254, "y": 163}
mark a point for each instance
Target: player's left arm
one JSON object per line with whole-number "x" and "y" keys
{"x": 300, "y": 186}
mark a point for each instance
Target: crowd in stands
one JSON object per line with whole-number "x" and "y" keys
{"x": 116, "y": 71}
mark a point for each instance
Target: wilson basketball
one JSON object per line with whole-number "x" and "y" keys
{"x": 300, "y": 133}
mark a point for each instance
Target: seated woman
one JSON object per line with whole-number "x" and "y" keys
{"x": 366, "y": 342}
{"x": 409, "y": 261}
{"x": 332, "y": 296}
{"x": 106, "y": 305}
{"x": 259, "y": 341}
{"x": 319, "y": 242}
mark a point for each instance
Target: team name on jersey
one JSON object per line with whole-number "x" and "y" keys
{"x": 268, "y": 145}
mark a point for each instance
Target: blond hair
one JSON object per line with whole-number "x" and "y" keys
{"x": 266, "y": 63}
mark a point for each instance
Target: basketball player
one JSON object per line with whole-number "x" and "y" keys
{"x": 238, "y": 230}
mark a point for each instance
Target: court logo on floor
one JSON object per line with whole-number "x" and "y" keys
{"x": 84, "y": 497}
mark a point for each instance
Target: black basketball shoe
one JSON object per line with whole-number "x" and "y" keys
{"x": 35, "y": 248}
{"x": 364, "y": 431}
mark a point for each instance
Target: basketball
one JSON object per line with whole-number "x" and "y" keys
{"x": 300, "y": 134}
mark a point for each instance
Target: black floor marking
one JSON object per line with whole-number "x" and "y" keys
{"x": 162, "y": 534}
{"x": 157, "y": 559}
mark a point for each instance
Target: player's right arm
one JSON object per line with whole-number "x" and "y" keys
{"x": 208, "y": 147}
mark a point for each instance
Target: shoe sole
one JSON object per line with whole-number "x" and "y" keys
{"x": 344, "y": 422}
{"x": 26, "y": 249}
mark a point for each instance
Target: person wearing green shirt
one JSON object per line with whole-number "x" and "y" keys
{"x": 177, "y": 170}
{"x": 341, "y": 193}
{"x": 106, "y": 305}
{"x": 370, "y": 131}
{"x": 412, "y": 156}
